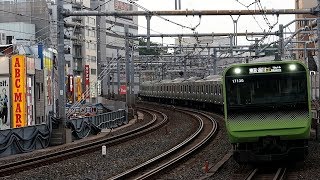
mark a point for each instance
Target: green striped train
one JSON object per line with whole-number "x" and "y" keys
{"x": 267, "y": 109}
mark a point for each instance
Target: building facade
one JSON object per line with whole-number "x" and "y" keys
{"x": 305, "y": 40}
{"x": 111, "y": 46}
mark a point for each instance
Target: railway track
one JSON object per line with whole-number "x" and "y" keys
{"x": 36, "y": 161}
{"x": 267, "y": 173}
{"x": 207, "y": 128}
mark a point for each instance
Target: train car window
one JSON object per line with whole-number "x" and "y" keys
{"x": 180, "y": 88}
{"x": 215, "y": 90}
{"x": 219, "y": 90}
{"x": 189, "y": 89}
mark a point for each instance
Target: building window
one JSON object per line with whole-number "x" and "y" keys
{"x": 87, "y": 45}
{"x": 92, "y": 33}
{"x": 93, "y": 71}
{"x": 92, "y": 21}
{"x": 87, "y": 32}
{"x": 38, "y": 120}
{"x": 93, "y": 58}
{"x": 38, "y": 90}
{"x": 92, "y": 46}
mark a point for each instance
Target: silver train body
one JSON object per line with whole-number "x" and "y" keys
{"x": 195, "y": 91}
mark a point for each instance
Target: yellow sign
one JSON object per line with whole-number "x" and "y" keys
{"x": 18, "y": 79}
{"x": 79, "y": 89}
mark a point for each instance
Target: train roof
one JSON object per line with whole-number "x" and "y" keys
{"x": 193, "y": 78}
{"x": 178, "y": 80}
{"x": 213, "y": 78}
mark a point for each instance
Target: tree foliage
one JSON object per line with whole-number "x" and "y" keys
{"x": 151, "y": 51}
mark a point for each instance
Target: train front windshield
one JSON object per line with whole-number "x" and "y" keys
{"x": 266, "y": 90}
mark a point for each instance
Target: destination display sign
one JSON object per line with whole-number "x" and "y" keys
{"x": 272, "y": 69}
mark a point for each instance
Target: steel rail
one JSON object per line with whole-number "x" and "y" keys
{"x": 278, "y": 175}
{"x": 51, "y": 157}
{"x": 162, "y": 156}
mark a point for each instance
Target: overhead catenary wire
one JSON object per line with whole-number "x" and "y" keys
{"x": 166, "y": 19}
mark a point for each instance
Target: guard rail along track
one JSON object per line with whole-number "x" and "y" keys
{"x": 32, "y": 162}
{"x": 206, "y": 130}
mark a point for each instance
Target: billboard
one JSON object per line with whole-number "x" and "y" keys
{"x": 78, "y": 88}
{"x": 18, "y": 79}
{"x": 70, "y": 89}
{"x": 30, "y": 101}
{"x": 123, "y": 6}
{"x": 48, "y": 81}
{"x": 4, "y": 103}
{"x": 123, "y": 89}
{"x": 87, "y": 81}
{"x": 99, "y": 87}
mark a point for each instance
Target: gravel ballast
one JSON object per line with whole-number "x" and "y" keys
{"x": 119, "y": 158}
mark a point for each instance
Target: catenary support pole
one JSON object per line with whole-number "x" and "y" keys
{"x": 118, "y": 72}
{"x": 148, "y": 31}
{"x": 318, "y": 55}
{"x": 128, "y": 93}
{"x": 61, "y": 71}
{"x": 215, "y": 61}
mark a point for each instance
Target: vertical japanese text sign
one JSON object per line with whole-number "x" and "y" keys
{"x": 87, "y": 80}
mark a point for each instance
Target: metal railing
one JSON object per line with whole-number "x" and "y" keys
{"x": 83, "y": 127}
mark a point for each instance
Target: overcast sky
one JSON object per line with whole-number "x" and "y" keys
{"x": 211, "y": 24}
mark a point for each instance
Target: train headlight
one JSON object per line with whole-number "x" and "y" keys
{"x": 292, "y": 67}
{"x": 237, "y": 70}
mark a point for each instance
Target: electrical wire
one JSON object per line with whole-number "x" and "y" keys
{"x": 247, "y": 6}
{"x": 166, "y": 19}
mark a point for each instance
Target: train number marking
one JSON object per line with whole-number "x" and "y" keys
{"x": 234, "y": 81}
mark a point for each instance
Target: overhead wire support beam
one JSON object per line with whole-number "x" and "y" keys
{"x": 205, "y": 34}
{"x": 192, "y": 12}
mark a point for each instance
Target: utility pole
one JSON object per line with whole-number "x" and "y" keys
{"x": 148, "y": 31}
{"x": 256, "y": 50}
{"x": 61, "y": 71}
{"x": 208, "y": 62}
{"x": 98, "y": 34}
{"x": 177, "y": 4}
{"x": 118, "y": 72}
{"x": 128, "y": 94}
{"x": 231, "y": 45}
{"x": 281, "y": 42}
{"x": 215, "y": 61}
{"x": 132, "y": 75}
{"x": 318, "y": 55}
